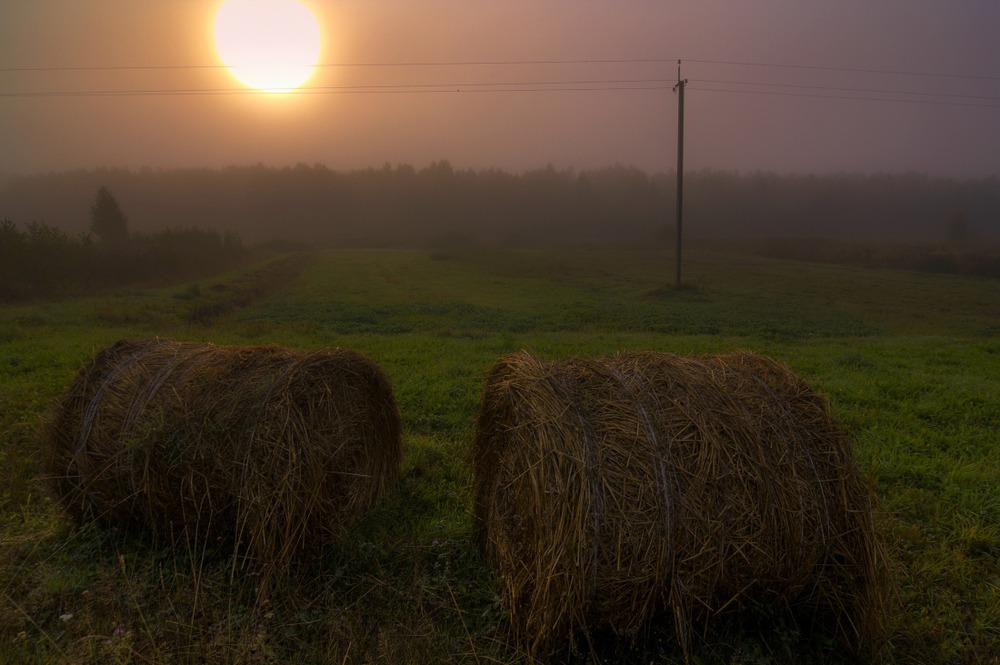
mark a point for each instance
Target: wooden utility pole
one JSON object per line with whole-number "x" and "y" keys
{"x": 679, "y": 88}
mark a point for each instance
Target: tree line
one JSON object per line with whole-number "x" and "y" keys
{"x": 41, "y": 260}
{"x": 402, "y": 205}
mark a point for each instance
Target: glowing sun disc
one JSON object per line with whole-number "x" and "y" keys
{"x": 271, "y": 45}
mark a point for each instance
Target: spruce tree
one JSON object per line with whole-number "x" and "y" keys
{"x": 107, "y": 221}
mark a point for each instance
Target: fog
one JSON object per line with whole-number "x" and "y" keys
{"x": 774, "y": 86}
{"x": 618, "y": 205}
{"x": 521, "y": 122}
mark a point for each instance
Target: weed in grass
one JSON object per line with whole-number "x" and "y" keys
{"x": 10, "y": 333}
{"x": 191, "y": 292}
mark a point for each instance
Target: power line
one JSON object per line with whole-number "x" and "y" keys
{"x": 469, "y": 63}
{"x": 412, "y": 88}
{"x": 549, "y": 85}
{"x": 500, "y": 86}
{"x": 843, "y": 89}
{"x": 863, "y": 99}
{"x": 225, "y": 92}
{"x": 508, "y": 63}
{"x": 847, "y": 69}
{"x": 609, "y": 85}
{"x": 554, "y": 85}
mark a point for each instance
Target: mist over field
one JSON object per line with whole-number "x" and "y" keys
{"x": 618, "y": 205}
{"x": 526, "y": 123}
{"x": 439, "y": 185}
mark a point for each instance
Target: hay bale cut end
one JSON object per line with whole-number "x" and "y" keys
{"x": 612, "y": 492}
{"x": 273, "y": 450}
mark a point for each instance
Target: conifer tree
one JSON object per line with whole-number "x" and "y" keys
{"x": 107, "y": 221}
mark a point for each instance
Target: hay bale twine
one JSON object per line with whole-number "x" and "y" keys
{"x": 612, "y": 491}
{"x": 273, "y": 450}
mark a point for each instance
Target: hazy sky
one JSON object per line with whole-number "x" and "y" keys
{"x": 505, "y": 114}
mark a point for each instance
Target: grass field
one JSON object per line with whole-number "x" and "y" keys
{"x": 909, "y": 362}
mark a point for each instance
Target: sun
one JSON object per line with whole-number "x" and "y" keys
{"x": 270, "y": 45}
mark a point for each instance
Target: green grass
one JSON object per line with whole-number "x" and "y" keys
{"x": 910, "y": 363}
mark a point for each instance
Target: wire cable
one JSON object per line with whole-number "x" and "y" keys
{"x": 547, "y": 85}
{"x": 413, "y": 88}
{"x": 863, "y": 99}
{"x": 843, "y": 89}
{"x": 469, "y": 63}
{"x": 847, "y": 69}
{"x": 508, "y": 63}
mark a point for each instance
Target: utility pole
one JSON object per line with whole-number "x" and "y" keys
{"x": 679, "y": 88}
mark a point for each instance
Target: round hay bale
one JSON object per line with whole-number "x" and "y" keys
{"x": 275, "y": 451}
{"x": 647, "y": 486}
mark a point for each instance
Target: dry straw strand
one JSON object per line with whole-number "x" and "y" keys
{"x": 612, "y": 491}
{"x": 273, "y": 450}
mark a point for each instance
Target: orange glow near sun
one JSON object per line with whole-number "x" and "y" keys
{"x": 270, "y": 45}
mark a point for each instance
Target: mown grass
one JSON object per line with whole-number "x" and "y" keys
{"x": 910, "y": 363}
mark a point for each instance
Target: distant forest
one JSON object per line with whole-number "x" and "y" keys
{"x": 41, "y": 261}
{"x": 618, "y": 205}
